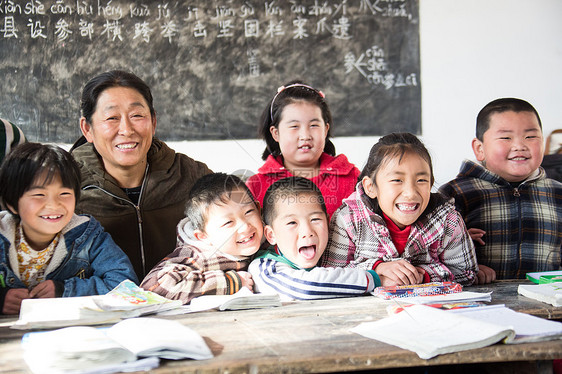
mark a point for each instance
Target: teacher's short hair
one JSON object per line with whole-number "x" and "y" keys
{"x": 115, "y": 78}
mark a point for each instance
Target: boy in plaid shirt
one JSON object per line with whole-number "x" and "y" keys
{"x": 216, "y": 240}
{"x": 512, "y": 210}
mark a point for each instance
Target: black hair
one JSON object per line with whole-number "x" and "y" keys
{"x": 499, "y": 106}
{"x": 394, "y": 145}
{"x": 21, "y": 168}
{"x": 287, "y": 189}
{"x": 397, "y": 145}
{"x": 271, "y": 116}
{"x": 211, "y": 189}
{"x": 115, "y": 78}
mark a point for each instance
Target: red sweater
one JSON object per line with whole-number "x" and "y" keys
{"x": 336, "y": 180}
{"x": 399, "y": 238}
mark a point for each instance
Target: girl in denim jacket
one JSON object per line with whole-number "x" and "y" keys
{"x": 45, "y": 249}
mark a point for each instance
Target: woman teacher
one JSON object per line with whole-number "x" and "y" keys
{"x": 133, "y": 183}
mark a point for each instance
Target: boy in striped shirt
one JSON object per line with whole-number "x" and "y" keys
{"x": 296, "y": 226}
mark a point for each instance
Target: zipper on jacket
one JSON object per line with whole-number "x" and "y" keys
{"x": 139, "y": 220}
{"x": 517, "y": 194}
{"x": 137, "y": 210}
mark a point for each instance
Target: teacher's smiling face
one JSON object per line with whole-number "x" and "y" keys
{"x": 121, "y": 130}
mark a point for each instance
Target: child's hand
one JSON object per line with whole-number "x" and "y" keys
{"x": 13, "y": 299}
{"x": 401, "y": 272}
{"x": 476, "y": 235}
{"x": 422, "y": 273}
{"x": 485, "y": 275}
{"x": 385, "y": 281}
{"x": 247, "y": 280}
{"x": 43, "y": 290}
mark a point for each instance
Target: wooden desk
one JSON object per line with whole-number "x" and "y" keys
{"x": 314, "y": 336}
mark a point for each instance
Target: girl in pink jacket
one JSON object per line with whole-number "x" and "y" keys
{"x": 394, "y": 225}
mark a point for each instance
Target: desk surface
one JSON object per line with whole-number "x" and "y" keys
{"x": 314, "y": 336}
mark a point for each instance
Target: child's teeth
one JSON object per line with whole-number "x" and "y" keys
{"x": 246, "y": 240}
{"x": 406, "y": 206}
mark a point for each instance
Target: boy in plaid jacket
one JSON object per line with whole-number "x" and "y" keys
{"x": 216, "y": 240}
{"x": 512, "y": 210}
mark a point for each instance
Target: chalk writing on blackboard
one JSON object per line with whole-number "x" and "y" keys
{"x": 212, "y": 65}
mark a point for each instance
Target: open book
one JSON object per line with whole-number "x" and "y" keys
{"x": 528, "y": 328}
{"x": 399, "y": 307}
{"x": 429, "y": 331}
{"x": 61, "y": 312}
{"x": 430, "y": 293}
{"x": 463, "y": 296}
{"x": 243, "y": 299}
{"x": 124, "y": 301}
{"x": 81, "y": 348}
{"x": 550, "y": 293}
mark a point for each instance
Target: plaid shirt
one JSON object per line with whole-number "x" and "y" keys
{"x": 523, "y": 224}
{"x": 189, "y": 272}
{"x": 438, "y": 243}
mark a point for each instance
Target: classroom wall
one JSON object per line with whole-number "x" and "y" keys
{"x": 471, "y": 53}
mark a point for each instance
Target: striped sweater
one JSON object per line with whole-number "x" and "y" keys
{"x": 10, "y": 136}
{"x": 273, "y": 273}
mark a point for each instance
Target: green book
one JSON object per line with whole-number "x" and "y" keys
{"x": 548, "y": 276}
{"x": 550, "y": 279}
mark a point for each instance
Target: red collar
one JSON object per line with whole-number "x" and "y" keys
{"x": 399, "y": 237}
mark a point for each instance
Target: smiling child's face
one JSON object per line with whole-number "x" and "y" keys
{"x": 45, "y": 209}
{"x": 235, "y": 227}
{"x": 300, "y": 229}
{"x": 513, "y": 145}
{"x": 301, "y": 135}
{"x": 402, "y": 188}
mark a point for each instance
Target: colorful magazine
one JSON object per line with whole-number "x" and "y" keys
{"x": 413, "y": 290}
{"x": 127, "y": 296}
{"x": 393, "y": 309}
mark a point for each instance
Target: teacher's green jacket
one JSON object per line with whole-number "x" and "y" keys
{"x": 145, "y": 232}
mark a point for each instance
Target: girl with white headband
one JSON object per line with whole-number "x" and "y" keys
{"x": 296, "y": 128}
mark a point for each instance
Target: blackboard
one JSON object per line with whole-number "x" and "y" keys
{"x": 212, "y": 65}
